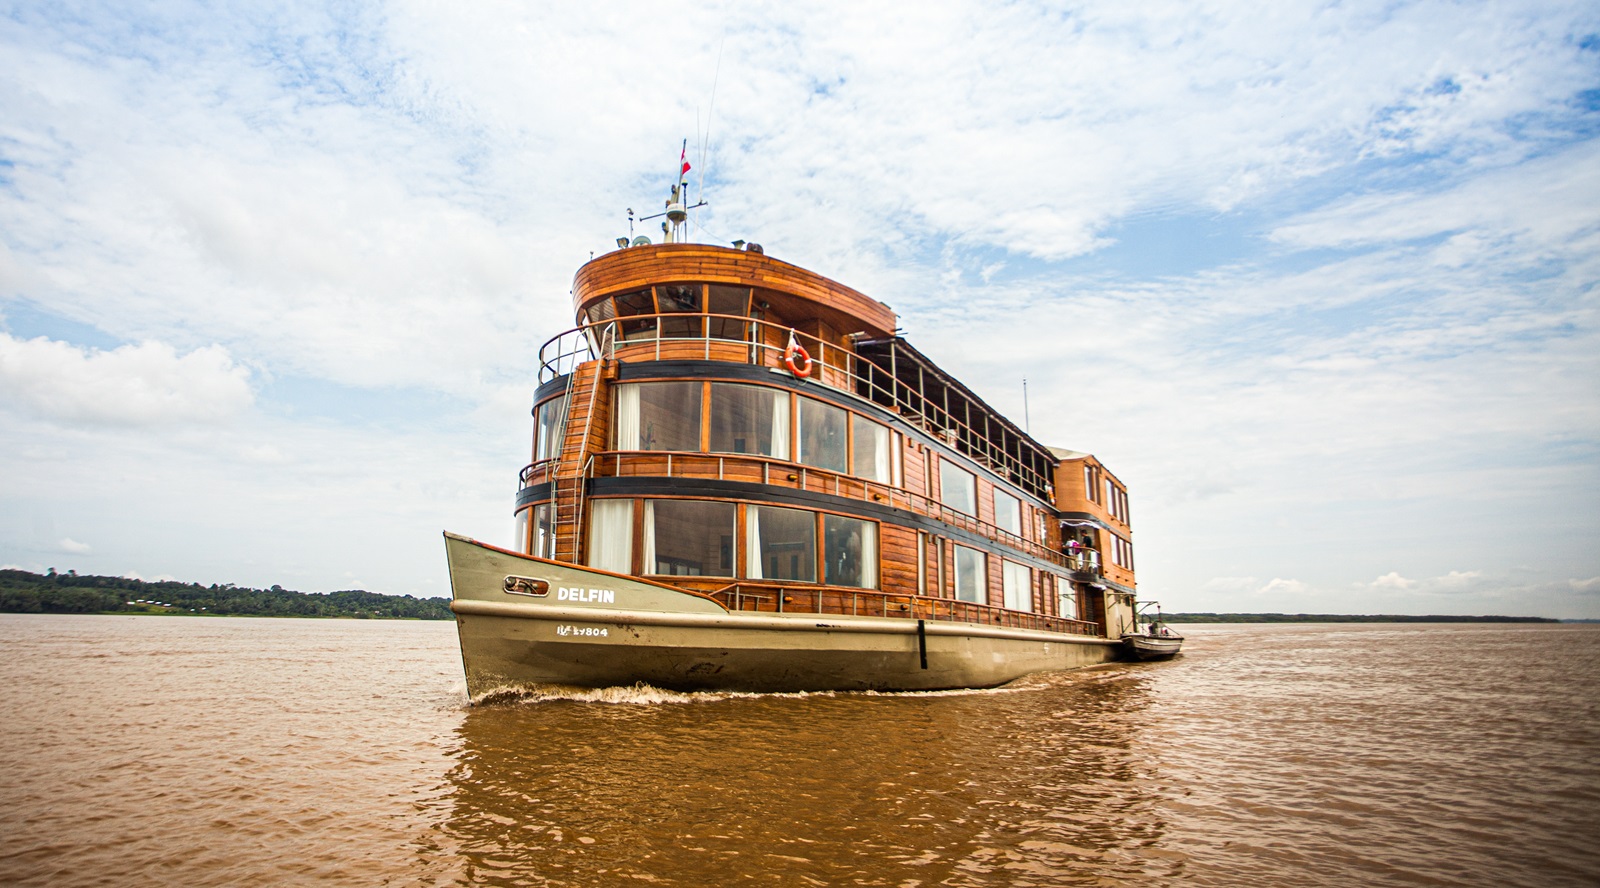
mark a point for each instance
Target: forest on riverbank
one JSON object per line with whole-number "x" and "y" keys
{"x": 68, "y": 593}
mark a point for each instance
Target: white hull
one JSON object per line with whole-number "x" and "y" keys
{"x": 568, "y": 625}
{"x": 1156, "y": 647}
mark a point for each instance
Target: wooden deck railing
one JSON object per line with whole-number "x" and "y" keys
{"x": 773, "y": 597}
{"x": 768, "y": 470}
{"x": 740, "y": 339}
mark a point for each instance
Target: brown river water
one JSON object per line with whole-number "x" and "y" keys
{"x": 174, "y": 751}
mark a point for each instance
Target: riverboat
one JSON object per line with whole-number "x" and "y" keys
{"x": 743, "y": 477}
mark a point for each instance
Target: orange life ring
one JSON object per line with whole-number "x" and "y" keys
{"x": 796, "y": 359}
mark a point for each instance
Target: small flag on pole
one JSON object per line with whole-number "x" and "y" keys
{"x": 683, "y": 158}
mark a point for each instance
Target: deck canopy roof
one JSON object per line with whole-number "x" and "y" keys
{"x": 903, "y": 379}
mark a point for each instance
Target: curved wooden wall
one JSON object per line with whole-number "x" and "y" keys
{"x": 637, "y": 267}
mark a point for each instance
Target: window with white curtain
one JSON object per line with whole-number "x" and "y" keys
{"x": 550, "y": 424}
{"x": 849, "y": 552}
{"x": 749, "y": 419}
{"x": 780, "y": 544}
{"x": 544, "y": 531}
{"x": 1066, "y": 599}
{"x": 1007, "y": 512}
{"x": 958, "y": 488}
{"x": 658, "y": 416}
{"x": 1018, "y": 583}
{"x": 689, "y": 537}
{"x": 611, "y": 535}
{"x": 972, "y": 575}
{"x": 871, "y": 446}
{"x": 822, "y": 435}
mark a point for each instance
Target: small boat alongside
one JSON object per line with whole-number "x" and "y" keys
{"x": 1153, "y": 640}
{"x": 743, "y": 477}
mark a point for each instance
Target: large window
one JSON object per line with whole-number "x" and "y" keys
{"x": 1121, "y": 552}
{"x": 680, "y": 299}
{"x": 1066, "y": 600}
{"x": 1018, "y": 583}
{"x": 972, "y": 575}
{"x": 849, "y": 552}
{"x": 871, "y": 446}
{"x": 600, "y": 330}
{"x": 549, "y": 425}
{"x": 611, "y": 535}
{"x": 958, "y": 489}
{"x": 780, "y": 544}
{"x": 749, "y": 419}
{"x": 723, "y": 300}
{"x": 658, "y": 416}
{"x": 822, "y": 435}
{"x": 630, "y": 305}
{"x": 689, "y": 537}
{"x": 1007, "y": 512}
{"x": 544, "y": 531}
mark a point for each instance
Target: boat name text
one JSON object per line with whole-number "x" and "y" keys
{"x": 578, "y": 593}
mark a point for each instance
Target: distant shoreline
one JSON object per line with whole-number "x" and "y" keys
{"x": 69, "y": 593}
{"x": 1351, "y": 618}
{"x": 23, "y": 592}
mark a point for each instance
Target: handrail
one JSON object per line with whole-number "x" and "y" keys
{"x": 1084, "y": 560}
{"x": 836, "y": 367}
{"x": 683, "y": 465}
{"x": 842, "y": 601}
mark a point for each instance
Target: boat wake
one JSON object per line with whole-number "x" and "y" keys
{"x": 648, "y": 695}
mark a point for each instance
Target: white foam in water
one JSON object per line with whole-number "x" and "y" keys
{"x": 648, "y": 695}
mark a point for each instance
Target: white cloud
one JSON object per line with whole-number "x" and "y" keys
{"x": 144, "y": 384}
{"x": 72, "y": 547}
{"x": 1281, "y": 587}
{"x": 1393, "y": 580}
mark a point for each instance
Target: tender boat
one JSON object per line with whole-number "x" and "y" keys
{"x": 1154, "y": 639}
{"x": 743, "y": 477}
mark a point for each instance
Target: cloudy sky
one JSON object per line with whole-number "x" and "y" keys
{"x": 1317, "y": 280}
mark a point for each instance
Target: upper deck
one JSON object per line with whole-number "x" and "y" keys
{"x": 693, "y": 302}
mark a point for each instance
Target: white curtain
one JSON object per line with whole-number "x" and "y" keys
{"x": 752, "y": 542}
{"x": 611, "y": 535}
{"x": 628, "y": 417}
{"x": 649, "y": 536}
{"x": 780, "y": 425}
{"x": 1018, "y": 586}
{"x": 869, "y": 555}
{"x": 899, "y": 478}
{"x": 880, "y": 455}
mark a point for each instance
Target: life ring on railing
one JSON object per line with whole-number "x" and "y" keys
{"x": 796, "y": 359}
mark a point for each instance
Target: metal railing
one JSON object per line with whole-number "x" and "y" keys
{"x": 646, "y": 463}
{"x": 779, "y": 598}
{"x": 712, "y": 337}
{"x": 671, "y": 464}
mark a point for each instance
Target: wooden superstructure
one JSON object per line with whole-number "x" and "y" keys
{"x": 675, "y": 441}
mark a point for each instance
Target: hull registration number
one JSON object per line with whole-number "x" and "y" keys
{"x": 592, "y": 631}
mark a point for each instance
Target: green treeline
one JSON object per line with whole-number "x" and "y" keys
{"x": 1343, "y": 618}
{"x": 22, "y": 592}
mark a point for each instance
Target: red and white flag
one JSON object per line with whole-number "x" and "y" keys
{"x": 683, "y": 158}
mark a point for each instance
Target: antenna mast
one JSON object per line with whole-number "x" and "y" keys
{"x": 678, "y": 206}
